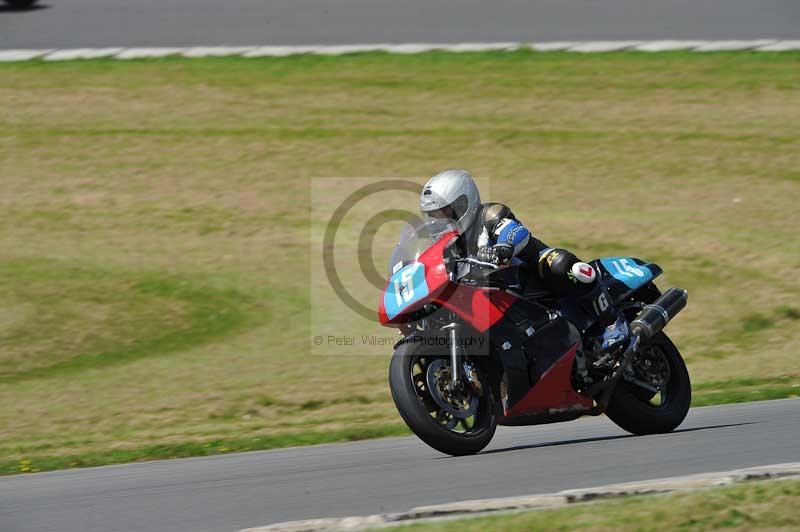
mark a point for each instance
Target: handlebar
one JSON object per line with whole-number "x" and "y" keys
{"x": 470, "y": 260}
{"x": 486, "y": 274}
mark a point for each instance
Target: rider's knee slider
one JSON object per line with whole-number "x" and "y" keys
{"x": 556, "y": 270}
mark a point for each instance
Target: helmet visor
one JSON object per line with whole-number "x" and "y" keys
{"x": 442, "y": 214}
{"x": 455, "y": 211}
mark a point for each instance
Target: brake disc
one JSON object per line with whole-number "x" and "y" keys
{"x": 459, "y": 403}
{"x": 652, "y": 367}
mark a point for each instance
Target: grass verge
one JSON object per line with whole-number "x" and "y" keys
{"x": 156, "y": 288}
{"x": 762, "y": 505}
{"x": 743, "y": 390}
{"x": 185, "y": 450}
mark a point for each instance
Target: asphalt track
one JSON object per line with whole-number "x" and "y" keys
{"x": 98, "y": 23}
{"x": 231, "y": 492}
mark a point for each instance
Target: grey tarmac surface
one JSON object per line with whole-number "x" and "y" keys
{"x": 231, "y": 492}
{"x": 97, "y": 23}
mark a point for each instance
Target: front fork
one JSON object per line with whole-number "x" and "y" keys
{"x": 462, "y": 373}
{"x": 455, "y": 356}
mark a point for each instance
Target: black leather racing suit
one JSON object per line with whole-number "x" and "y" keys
{"x": 546, "y": 273}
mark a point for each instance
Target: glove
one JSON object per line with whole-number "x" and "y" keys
{"x": 500, "y": 254}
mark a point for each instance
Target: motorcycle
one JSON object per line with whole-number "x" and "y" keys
{"x": 477, "y": 351}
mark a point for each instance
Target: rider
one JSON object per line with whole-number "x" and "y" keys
{"x": 493, "y": 234}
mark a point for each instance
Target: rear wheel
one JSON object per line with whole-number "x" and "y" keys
{"x": 457, "y": 421}
{"x": 655, "y": 396}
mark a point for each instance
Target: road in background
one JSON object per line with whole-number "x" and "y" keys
{"x": 95, "y": 23}
{"x": 231, "y": 492}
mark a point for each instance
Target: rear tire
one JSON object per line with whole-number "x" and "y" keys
{"x": 417, "y": 416}
{"x": 630, "y": 411}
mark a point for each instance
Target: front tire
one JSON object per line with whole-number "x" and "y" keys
{"x": 640, "y": 412}
{"x": 418, "y": 408}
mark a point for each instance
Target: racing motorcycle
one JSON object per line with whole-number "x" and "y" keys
{"x": 477, "y": 351}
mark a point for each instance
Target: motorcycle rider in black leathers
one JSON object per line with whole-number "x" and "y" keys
{"x": 493, "y": 234}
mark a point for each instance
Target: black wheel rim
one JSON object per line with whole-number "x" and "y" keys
{"x": 651, "y": 380}
{"x": 464, "y": 411}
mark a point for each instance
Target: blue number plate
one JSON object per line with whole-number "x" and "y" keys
{"x": 406, "y": 286}
{"x": 626, "y": 270}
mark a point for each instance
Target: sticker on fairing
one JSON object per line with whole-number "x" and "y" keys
{"x": 406, "y": 286}
{"x": 626, "y": 270}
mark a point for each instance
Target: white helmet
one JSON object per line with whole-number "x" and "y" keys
{"x": 451, "y": 194}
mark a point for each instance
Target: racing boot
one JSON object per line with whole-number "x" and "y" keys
{"x": 602, "y": 324}
{"x": 614, "y": 334}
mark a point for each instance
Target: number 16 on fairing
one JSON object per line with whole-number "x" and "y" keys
{"x": 404, "y": 287}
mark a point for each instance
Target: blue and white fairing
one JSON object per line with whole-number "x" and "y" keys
{"x": 407, "y": 283}
{"x": 406, "y": 287}
{"x": 624, "y": 275}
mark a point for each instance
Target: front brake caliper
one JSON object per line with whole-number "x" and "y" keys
{"x": 471, "y": 376}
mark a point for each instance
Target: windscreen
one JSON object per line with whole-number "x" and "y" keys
{"x": 415, "y": 238}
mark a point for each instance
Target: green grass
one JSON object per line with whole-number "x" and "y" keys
{"x": 206, "y": 448}
{"x": 743, "y": 390}
{"x": 100, "y": 306}
{"x": 159, "y": 219}
{"x": 769, "y": 505}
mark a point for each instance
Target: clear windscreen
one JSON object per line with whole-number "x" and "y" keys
{"x": 415, "y": 238}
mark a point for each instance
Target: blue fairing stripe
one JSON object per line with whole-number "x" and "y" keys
{"x": 626, "y": 270}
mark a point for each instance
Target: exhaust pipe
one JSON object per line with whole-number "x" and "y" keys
{"x": 655, "y": 316}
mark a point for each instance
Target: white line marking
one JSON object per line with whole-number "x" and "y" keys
{"x": 780, "y": 46}
{"x": 724, "y": 46}
{"x": 554, "y": 46}
{"x": 21, "y": 55}
{"x": 278, "y": 51}
{"x": 762, "y": 45}
{"x": 347, "y": 49}
{"x": 81, "y": 53}
{"x": 145, "y": 53}
{"x": 484, "y": 47}
{"x": 533, "y": 502}
{"x": 666, "y": 46}
{"x": 216, "y": 51}
{"x": 604, "y": 46}
{"x": 413, "y": 48}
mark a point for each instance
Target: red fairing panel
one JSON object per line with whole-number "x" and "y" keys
{"x": 553, "y": 391}
{"x": 479, "y": 307}
{"x": 435, "y": 277}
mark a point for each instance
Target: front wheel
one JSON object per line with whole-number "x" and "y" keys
{"x": 457, "y": 421}
{"x": 657, "y": 395}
